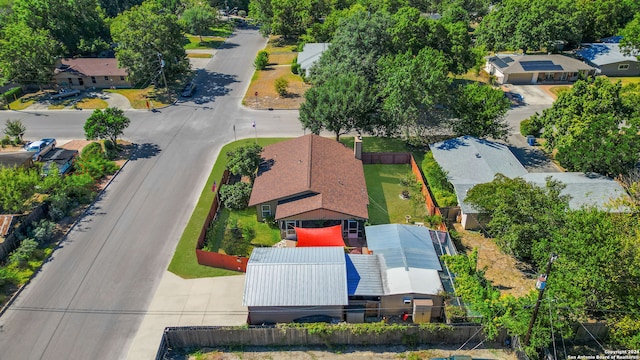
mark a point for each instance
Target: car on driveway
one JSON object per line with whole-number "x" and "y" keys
{"x": 41, "y": 147}
{"x": 189, "y": 89}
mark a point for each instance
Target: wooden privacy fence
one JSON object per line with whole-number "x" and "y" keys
{"x": 213, "y": 336}
{"x": 385, "y": 158}
{"x": 11, "y": 242}
{"x": 214, "y": 259}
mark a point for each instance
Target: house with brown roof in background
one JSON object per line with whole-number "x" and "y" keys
{"x": 86, "y": 73}
{"x": 311, "y": 182}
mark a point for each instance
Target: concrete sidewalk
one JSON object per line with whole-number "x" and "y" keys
{"x": 182, "y": 302}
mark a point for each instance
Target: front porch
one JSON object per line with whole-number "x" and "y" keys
{"x": 352, "y": 230}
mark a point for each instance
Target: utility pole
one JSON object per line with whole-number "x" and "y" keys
{"x": 162, "y": 69}
{"x": 540, "y": 285}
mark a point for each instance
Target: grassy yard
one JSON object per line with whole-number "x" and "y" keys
{"x": 375, "y": 144}
{"x": 625, "y": 80}
{"x": 208, "y": 42}
{"x": 386, "y": 205}
{"x": 138, "y": 97}
{"x": 184, "y": 263}
{"x": 198, "y": 55}
{"x": 265, "y": 235}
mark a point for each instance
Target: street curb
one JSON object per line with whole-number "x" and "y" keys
{"x": 36, "y": 271}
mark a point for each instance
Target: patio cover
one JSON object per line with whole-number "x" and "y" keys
{"x": 328, "y": 236}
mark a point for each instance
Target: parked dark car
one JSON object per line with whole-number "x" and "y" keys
{"x": 189, "y": 90}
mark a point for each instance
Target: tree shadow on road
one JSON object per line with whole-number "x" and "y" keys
{"x": 145, "y": 151}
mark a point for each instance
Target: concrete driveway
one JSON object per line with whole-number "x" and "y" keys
{"x": 532, "y": 94}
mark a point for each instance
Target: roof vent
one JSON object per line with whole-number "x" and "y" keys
{"x": 478, "y": 155}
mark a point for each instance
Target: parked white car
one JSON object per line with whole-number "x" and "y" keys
{"x": 41, "y": 147}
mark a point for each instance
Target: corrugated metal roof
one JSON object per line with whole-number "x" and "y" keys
{"x": 363, "y": 275}
{"x": 408, "y": 260}
{"x": 296, "y": 277}
{"x": 585, "y": 189}
{"x": 604, "y": 54}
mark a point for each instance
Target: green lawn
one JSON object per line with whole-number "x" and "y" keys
{"x": 625, "y": 80}
{"x": 385, "y": 203}
{"x": 265, "y": 236}
{"x": 184, "y": 262}
{"x": 375, "y": 144}
{"x": 208, "y": 42}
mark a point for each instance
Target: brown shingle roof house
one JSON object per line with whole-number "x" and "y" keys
{"x": 311, "y": 181}
{"x": 82, "y": 73}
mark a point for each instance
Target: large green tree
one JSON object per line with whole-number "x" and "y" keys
{"x": 342, "y": 104}
{"x": 529, "y": 25}
{"x": 591, "y": 129}
{"x": 630, "y": 42}
{"x": 198, "y": 19}
{"x": 76, "y": 24}
{"x": 359, "y": 42}
{"x": 149, "y": 41}
{"x": 602, "y": 18}
{"x": 523, "y": 217}
{"x": 479, "y": 111}
{"x": 27, "y": 56}
{"x": 106, "y": 124}
{"x": 244, "y": 161}
{"x": 414, "y": 90}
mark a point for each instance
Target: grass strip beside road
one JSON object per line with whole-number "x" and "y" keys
{"x": 138, "y": 97}
{"x": 184, "y": 262}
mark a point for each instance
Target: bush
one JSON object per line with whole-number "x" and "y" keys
{"x": 281, "y": 86}
{"x": 262, "y": 60}
{"x": 295, "y": 67}
{"x": 59, "y": 206}
{"x": 237, "y": 240}
{"x": 235, "y": 196}
{"x": 93, "y": 148}
{"x": 8, "y": 277}
{"x": 12, "y": 94}
{"x": 5, "y": 141}
{"x": 42, "y": 233}
{"x": 23, "y": 253}
{"x": 528, "y": 127}
{"x": 96, "y": 166}
{"x": 242, "y": 13}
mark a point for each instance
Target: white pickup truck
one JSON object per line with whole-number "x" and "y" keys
{"x": 41, "y": 147}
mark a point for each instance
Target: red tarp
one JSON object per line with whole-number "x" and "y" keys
{"x": 329, "y": 236}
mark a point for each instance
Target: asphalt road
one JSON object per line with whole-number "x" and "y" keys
{"x": 89, "y": 299}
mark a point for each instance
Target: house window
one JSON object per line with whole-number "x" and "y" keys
{"x": 266, "y": 211}
{"x": 106, "y": 78}
{"x": 122, "y": 78}
{"x": 80, "y": 81}
{"x": 352, "y": 229}
{"x": 623, "y": 67}
{"x": 70, "y": 81}
{"x": 93, "y": 79}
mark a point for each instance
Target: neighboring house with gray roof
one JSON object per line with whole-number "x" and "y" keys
{"x": 469, "y": 161}
{"x": 537, "y": 69}
{"x": 310, "y": 54}
{"x": 609, "y": 60}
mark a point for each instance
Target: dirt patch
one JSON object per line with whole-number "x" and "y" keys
{"x": 503, "y": 270}
{"x": 344, "y": 353}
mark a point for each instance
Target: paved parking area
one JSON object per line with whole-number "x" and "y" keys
{"x": 532, "y": 94}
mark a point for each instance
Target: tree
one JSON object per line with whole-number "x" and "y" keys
{"x": 413, "y": 89}
{"x": 69, "y": 22}
{"x": 529, "y": 25}
{"x": 604, "y": 17}
{"x": 18, "y": 185}
{"x": 630, "y": 42}
{"x": 27, "y": 55}
{"x": 290, "y": 17}
{"x": 113, "y": 8}
{"x": 479, "y": 111}
{"x": 359, "y": 42}
{"x": 149, "y": 41}
{"x": 236, "y": 196}
{"x": 15, "y": 129}
{"x": 523, "y": 216}
{"x": 262, "y": 12}
{"x": 106, "y": 124}
{"x": 244, "y": 161}
{"x": 198, "y": 19}
{"x": 591, "y": 129}
{"x": 341, "y": 104}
